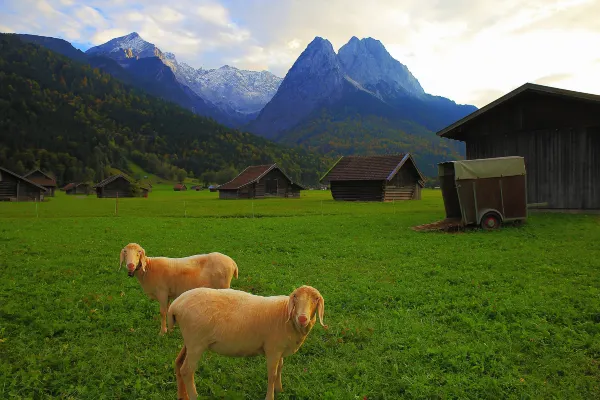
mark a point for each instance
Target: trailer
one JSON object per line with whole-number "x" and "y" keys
{"x": 484, "y": 192}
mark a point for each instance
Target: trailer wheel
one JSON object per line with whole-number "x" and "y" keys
{"x": 490, "y": 221}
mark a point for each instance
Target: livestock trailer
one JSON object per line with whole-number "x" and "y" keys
{"x": 486, "y": 192}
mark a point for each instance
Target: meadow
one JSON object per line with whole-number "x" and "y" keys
{"x": 508, "y": 314}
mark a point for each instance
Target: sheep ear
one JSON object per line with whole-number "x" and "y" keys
{"x": 290, "y": 308}
{"x": 121, "y": 259}
{"x": 321, "y": 307}
{"x": 143, "y": 260}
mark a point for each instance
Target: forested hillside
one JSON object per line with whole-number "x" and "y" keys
{"x": 77, "y": 122}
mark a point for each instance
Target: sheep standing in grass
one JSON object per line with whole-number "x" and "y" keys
{"x": 164, "y": 279}
{"x": 239, "y": 324}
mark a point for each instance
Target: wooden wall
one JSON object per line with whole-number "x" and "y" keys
{"x": 119, "y": 187}
{"x": 404, "y": 186}
{"x": 273, "y": 184}
{"x": 357, "y": 190}
{"x": 563, "y": 165}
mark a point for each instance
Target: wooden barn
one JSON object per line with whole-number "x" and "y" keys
{"x": 118, "y": 186}
{"x": 14, "y": 187}
{"x": 179, "y": 187}
{"x": 77, "y": 188}
{"x": 197, "y": 188}
{"x": 42, "y": 179}
{"x": 260, "y": 181}
{"x": 557, "y": 132}
{"x": 375, "y": 178}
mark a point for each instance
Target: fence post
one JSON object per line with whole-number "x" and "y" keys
{"x": 252, "y": 208}
{"x": 394, "y": 205}
{"x": 184, "y": 210}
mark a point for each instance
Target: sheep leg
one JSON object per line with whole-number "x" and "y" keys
{"x": 181, "y": 392}
{"x": 278, "y": 387}
{"x": 188, "y": 368}
{"x": 272, "y": 363}
{"x": 164, "y": 306}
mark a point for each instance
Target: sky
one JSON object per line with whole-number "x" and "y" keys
{"x": 469, "y": 51}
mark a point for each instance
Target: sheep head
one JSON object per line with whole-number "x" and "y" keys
{"x": 134, "y": 257}
{"x": 303, "y": 305}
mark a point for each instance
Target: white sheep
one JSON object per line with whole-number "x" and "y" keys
{"x": 164, "y": 279}
{"x": 239, "y": 324}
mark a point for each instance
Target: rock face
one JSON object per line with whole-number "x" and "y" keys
{"x": 127, "y": 47}
{"x": 363, "y": 78}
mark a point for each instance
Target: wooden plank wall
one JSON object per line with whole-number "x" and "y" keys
{"x": 563, "y": 165}
{"x": 357, "y": 190}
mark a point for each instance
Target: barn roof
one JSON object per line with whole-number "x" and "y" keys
{"x": 368, "y": 168}
{"x": 111, "y": 179}
{"x": 69, "y": 186}
{"x": 45, "y": 179}
{"x": 179, "y": 186}
{"x": 23, "y": 178}
{"x": 451, "y": 130}
{"x": 250, "y": 175}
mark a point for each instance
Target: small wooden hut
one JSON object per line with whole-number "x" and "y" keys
{"x": 258, "y": 182}
{"x": 118, "y": 186}
{"x": 77, "y": 188}
{"x": 42, "y": 179}
{"x": 212, "y": 188}
{"x": 197, "y": 188}
{"x": 180, "y": 187}
{"x": 14, "y": 187}
{"x": 375, "y": 178}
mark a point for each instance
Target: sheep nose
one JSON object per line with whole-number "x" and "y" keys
{"x": 302, "y": 319}
{"x": 130, "y": 266}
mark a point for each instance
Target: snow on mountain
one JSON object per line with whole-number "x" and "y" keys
{"x": 240, "y": 93}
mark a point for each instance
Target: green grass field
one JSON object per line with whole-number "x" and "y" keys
{"x": 513, "y": 313}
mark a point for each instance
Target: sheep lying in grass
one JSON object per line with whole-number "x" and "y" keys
{"x": 164, "y": 279}
{"x": 239, "y": 324}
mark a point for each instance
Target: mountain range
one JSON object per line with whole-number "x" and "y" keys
{"x": 359, "y": 100}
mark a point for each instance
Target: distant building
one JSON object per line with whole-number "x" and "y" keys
{"x": 179, "y": 187}
{"x": 375, "y": 178}
{"x": 260, "y": 181}
{"x": 118, "y": 186}
{"x": 14, "y": 187}
{"x": 42, "y": 179}
{"x": 77, "y": 188}
{"x": 556, "y": 131}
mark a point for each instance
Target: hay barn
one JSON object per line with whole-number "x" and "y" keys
{"x": 375, "y": 178}
{"x": 557, "y": 132}
{"x": 42, "y": 179}
{"x": 118, "y": 186}
{"x": 260, "y": 181}
{"x": 14, "y": 187}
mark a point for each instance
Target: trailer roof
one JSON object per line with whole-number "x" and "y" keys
{"x": 486, "y": 167}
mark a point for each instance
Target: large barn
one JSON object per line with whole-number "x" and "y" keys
{"x": 118, "y": 186}
{"x": 42, "y": 179}
{"x": 14, "y": 187}
{"x": 260, "y": 181}
{"x": 375, "y": 178}
{"x": 557, "y": 132}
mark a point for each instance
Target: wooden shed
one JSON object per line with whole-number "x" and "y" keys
{"x": 118, "y": 186}
{"x": 557, "y": 131}
{"x": 179, "y": 187}
{"x": 77, "y": 188}
{"x": 14, "y": 187}
{"x": 375, "y": 178}
{"x": 42, "y": 179}
{"x": 260, "y": 181}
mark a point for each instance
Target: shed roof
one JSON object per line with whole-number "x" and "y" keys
{"x": 22, "y": 178}
{"x": 368, "y": 168}
{"x": 250, "y": 175}
{"x": 179, "y": 186}
{"x": 45, "y": 179}
{"x": 451, "y": 130}
{"x": 111, "y": 179}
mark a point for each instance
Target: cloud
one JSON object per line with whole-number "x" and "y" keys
{"x": 471, "y": 52}
{"x": 553, "y": 79}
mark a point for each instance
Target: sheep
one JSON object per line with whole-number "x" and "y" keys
{"x": 238, "y": 324}
{"x": 164, "y": 279}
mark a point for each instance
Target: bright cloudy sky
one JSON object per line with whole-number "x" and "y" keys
{"x": 470, "y": 51}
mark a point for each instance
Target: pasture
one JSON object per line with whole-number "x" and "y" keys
{"x": 513, "y": 313}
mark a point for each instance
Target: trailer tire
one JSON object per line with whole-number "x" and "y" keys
{"x": 491, "y": 221}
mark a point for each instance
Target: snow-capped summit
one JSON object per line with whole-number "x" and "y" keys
{"x": 127, "y": 47}
{"x": 368, "y": 62}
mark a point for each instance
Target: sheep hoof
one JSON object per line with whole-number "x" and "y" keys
{"x": 161, "y": 333}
